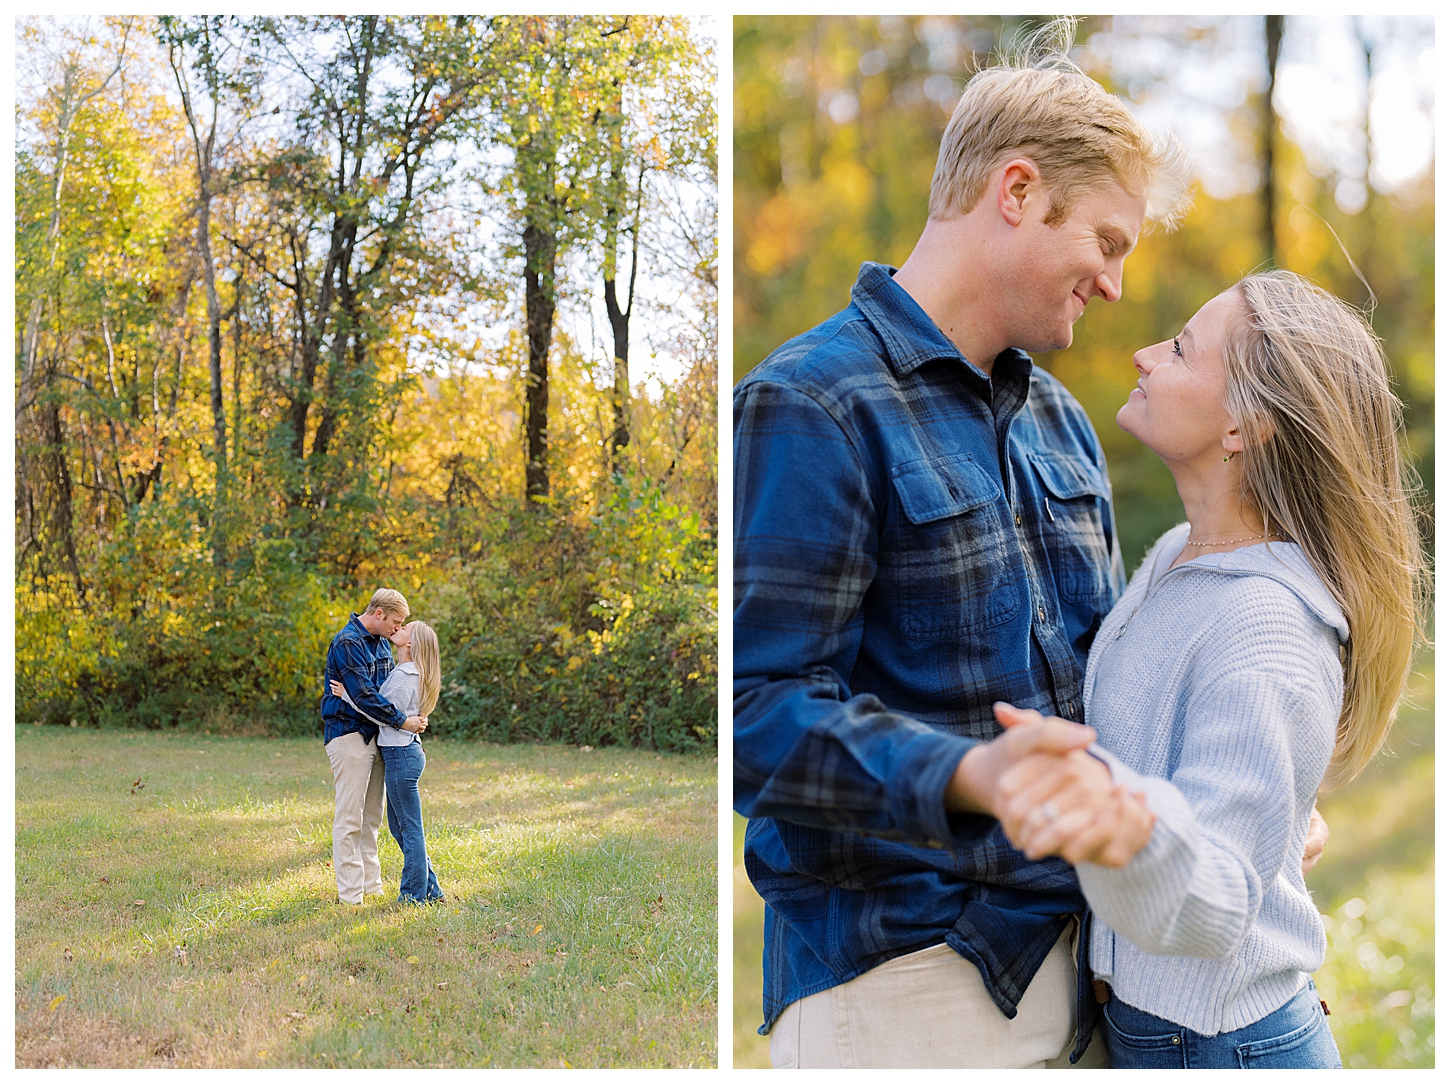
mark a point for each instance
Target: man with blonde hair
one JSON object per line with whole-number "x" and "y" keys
{"x": 923, "y": 527}
{"x": 359, "y": 658}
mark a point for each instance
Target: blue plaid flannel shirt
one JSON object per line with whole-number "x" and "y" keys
{"x": 362, "y": 662}
{"x": 913, "y": 541}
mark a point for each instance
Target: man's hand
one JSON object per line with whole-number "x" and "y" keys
{"x": 1050, "y": 795}
{"x": 977, "y": 784}
{"x": 1315, "y": 841}
{"x": 337, "y": 687}
{"x": 415, "y": 724}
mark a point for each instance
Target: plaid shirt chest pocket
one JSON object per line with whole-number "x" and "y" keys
{"x": 1072, "y": 525}
{"x": 947, "y": 553}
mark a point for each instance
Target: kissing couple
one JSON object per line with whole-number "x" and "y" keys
{"x": 374, "y": 712}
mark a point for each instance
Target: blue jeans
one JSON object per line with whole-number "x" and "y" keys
{"x": 1294, "y": 1036}
{"x": 402, "y": 766}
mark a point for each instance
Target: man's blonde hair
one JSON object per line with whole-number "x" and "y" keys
{"x": 1039, "y": 105}
{"x": 390, "y": 602}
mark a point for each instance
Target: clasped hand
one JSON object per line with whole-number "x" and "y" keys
{"x": 1050, "y": 795}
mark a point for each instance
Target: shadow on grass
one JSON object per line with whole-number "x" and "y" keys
{"x": 576, "y": 931}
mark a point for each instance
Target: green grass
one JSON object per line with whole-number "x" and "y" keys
{"x": 1375, "y": 884}
{"x": 579, "y": 927}
{"x": 1376, "y": 888}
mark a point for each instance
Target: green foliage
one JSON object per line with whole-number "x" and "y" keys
{"x": 635, "y": 664}
{"x": 595, "y": 630}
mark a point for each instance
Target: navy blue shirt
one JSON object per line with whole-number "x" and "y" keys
{"x": 362, "y": 662}
{"x": 913, "y": 541}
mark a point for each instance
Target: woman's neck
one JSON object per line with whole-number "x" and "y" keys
{"x": 1219, "y": 520}
{"x": 404, "y": 655}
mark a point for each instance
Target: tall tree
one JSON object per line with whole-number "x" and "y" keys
{"x": 577, "y": 175}
{"x": 364, "y": 151}
{"x": 1269, "y": 122}
{"x": 201, "y": 50}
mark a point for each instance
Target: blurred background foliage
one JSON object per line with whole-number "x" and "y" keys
{"x": 1309, "y": 123}
{"x": 308, "y": 306}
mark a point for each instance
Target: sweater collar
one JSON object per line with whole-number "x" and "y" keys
{"x": 1282, "y": 562}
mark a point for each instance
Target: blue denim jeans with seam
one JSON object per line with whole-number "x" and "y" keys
{"x": 1294, "y": 1036}
{"x": 402, "y": 767}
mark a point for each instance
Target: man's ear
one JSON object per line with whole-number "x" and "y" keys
{"x": 1014, "y": 181}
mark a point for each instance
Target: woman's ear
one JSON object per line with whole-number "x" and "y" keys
{"x": 1260, "y": 432}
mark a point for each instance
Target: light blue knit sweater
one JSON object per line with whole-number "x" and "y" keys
{"x": 1215, "y": 687}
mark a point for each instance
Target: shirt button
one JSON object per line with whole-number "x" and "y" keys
{"x": 1041, "y": 614}
{"x": 1019, "y": 519}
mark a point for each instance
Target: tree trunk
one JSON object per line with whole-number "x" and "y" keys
{"x": 1273, "y": 36}
{"x": 541, "y": 246}
{"x": 619, "y": 325}
{"x": 63, "y": 522}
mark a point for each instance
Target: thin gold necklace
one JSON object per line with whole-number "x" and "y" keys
{"x": 1232, "y": 541}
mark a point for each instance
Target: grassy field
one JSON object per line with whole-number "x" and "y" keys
{"x": 1375, "y": 886}
{"x": 194, "y": 922}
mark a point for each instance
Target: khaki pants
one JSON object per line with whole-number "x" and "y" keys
{"x": 930, "y": 1010}
{"x": 357, "y": 773}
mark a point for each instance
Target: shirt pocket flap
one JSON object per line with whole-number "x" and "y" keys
{"x": 942, "y": 488}
{"x": 1069, "y": 478}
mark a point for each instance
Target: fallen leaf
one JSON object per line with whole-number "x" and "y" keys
{"x": 55, "y": 1002}
{"x": 105, "y": 880}
{"x": 298, "y": 1015}
{"x": 412, "y": 959}
{"x": 440, "y": 940}
{"x": 657, "y": 906}
{"x": 138, "y": 785}
{"x": 67, "y": 955}
{"x": 138, "y": 903}
{"x": 440, "y": 985}
{"x": 539, "y": 928}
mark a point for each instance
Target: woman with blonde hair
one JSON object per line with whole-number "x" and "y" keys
{"x": 1257, "y": 656}
{"x": 413, "y": 688}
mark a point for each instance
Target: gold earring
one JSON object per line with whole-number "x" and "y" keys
{"x": 1229, "y": 456}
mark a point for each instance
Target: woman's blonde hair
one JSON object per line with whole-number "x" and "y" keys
{"x": 1036, "y": 103}
{"x": 430, "y": 674}
{"x": 1309, "y": 388}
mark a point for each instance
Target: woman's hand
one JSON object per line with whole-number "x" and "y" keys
{"x": 415, "y": 724}
{"x": 1314, "y": 843}
{"x": 336, "y": 687}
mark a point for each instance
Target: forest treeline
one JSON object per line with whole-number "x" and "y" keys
{"x": 307, "y": 305}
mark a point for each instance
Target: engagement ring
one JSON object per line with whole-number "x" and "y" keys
{"x": 1050, "y": 812}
